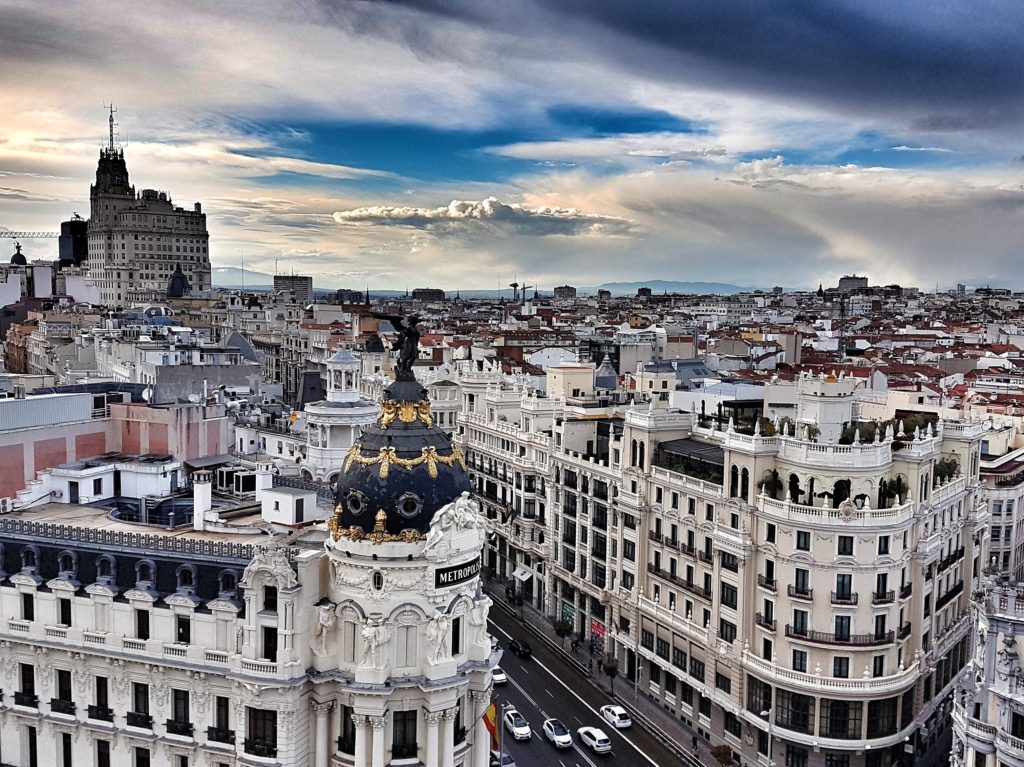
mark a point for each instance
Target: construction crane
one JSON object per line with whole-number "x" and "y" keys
{"x": 7, "y": 234}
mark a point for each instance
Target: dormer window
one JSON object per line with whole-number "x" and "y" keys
{"x": 228, "y": 583}
{"x": 186, "y": 578}
{"x": 144, "y": 573}
{"x": 29, "y": 558}
{"x": 66, "y": 562}
{"x": 105, "y": 567}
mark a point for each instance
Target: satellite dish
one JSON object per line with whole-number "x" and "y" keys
{"x": 147, "y": 393}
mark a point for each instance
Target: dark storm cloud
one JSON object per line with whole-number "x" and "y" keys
{"x": 948, "y": 65}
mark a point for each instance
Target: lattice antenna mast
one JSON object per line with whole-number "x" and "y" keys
{"x": 112, "y": 109}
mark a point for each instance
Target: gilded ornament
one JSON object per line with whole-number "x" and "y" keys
{"x": 388, "y": 411}
{"x": 407, "y": 412}
{"x": 424, "y": 411}
{"x": 387, "y": 456}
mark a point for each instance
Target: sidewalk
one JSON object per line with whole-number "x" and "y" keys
{"x": 670, "y": 730}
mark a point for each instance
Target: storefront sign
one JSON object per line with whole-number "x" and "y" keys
{"x": 450, "y": 576}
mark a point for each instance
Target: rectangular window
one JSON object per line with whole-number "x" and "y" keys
{"x": 800, "y": 660}
{"x": 803, "y": 540}
{"x": 843, "y": 628}
{"x": 662, "y": 649}
{"x": 878, "y": 666}
{"x": 709, "y": 512}
{"x": 179, "y": 706}
{"x": 140, "y": 698}
{"x": 883, "y": 544}
{"x": 769, "y": 533}
{"x": 97, "y": 486}
{"x": 64, "y": 612}
{"x": 841, "y": 668}
{"x": 64, "y": 685}
{"x": 697, "y": 669}
{"x": 270, "y": 643}
{"x": 102, "y": 753}
{"x": 28, "y": 607}
{"x": 800, "y": 621}
{"x": 728, "y": 593}
{"x": 723, "y": 683}
{"x": 28, "y": 679}
{"x": 65, "y": 749}
{"x": 629, "y": 550}
{"x": 183, "y": 629}
{"x": 404, "y": 745}
{"x": 270, "y": 598}
{"x": 102, "y": 698}
{"x": 222, "y": 713}
{"x": 261, "y": 732}
{"x": 678, "y": 658}
{"x": 845, "y": 545}
{"x": 142, "y": 624}
{"x": 141, "y": 757}
{"x": 727, "y": 630}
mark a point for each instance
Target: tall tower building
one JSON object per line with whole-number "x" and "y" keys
{"x": 137, "y": 242}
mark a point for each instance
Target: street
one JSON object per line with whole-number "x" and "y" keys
{"x": 545, "y": 686}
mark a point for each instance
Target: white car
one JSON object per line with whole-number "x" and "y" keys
{"x": 498, "y": 675}
{"x": 517, "y": 725}
{"x": 595, "y": 739}
{"x": 557, "y": 733}
{"x": 616, "y": 716}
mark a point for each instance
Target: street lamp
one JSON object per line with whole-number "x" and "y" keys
{"x": 770, "y": 715}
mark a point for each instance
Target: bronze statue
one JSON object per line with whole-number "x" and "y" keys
{"x": 407, "y": 344}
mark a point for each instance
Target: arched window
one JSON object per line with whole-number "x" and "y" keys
{"x": 632, "y": 453}
{"x": 378, "y": 580}
{"x": 29, "y": 558}
{"x": 144, "y": 572}
{"x": 105, "y": 567}
{"x": 642, "y": 456}
{"x": 66, "y": 563}
{"x": 745, "y": 484}
{"x": 228, "y": 582}
{"x": 734, "y": 481}
{"x": 186, "y": 577}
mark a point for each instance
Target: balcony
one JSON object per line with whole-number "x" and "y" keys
{"x": 798, "y": 592}
{"x": 826, "y": 637}
{"x": 260, "y": 747}
{"x": 59, "y": 706}
{"x": 906, "y": 590}
{"x": 767, "y": 583}
{"x": 844, "y": 598}
{"x": 706, "y": 556}
{"x": 949, "y": 596}
{"x": 175, "y": 727}
{"x": 655, "y": 536}
{"x": 904, "y": 631}
{"x": 218, "y": 735}
{"x": 687, "y": 549}
{"x": 26, "y": 699}
{"x": 101, "y": 713}
{"x": 763, "y": 622}
{"x": 883, "y": 597}
{"x": 142, "y": 721}
{"x": 953, "y": 557}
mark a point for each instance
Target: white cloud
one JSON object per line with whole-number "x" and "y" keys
{"x": 488, "y": 216}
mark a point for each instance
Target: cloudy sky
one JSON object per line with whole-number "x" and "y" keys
{"x": 462, "y": 144}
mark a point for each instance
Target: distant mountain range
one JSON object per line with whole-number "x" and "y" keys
{"x": 233, "y": 277}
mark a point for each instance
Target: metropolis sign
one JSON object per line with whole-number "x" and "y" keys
{"x": 449, "y": 576}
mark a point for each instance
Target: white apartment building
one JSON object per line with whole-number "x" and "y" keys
{"x": 801, "y": 597}
{"x": 988, "y": 720}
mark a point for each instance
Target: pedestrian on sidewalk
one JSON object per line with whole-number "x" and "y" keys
{"x": 591, "y": 665}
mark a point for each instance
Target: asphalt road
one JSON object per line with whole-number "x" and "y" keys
{"x": 545, "y": 686}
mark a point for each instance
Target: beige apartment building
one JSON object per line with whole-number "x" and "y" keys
{"x": 800, "y": 593}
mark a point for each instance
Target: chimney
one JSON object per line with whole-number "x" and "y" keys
{"x": 202, "y": 498}
{"x": 264, "y": 478}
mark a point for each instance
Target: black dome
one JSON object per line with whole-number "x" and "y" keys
{"x": 402, "y": 465}
{"x": 178, "y": 286}
{"x": 18, "y": 259}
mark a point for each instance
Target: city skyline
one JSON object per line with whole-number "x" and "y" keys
{"x": 447, "y": 144}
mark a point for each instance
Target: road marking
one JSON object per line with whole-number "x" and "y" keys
{"x": 549, "y": 692}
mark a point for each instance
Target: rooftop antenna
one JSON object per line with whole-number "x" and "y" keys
{"x": 515, "y": 290}
{"x": 242, "y": 271}
{"x": 112, "y": 109}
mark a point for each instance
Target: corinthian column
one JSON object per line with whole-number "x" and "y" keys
{"x": 377, "y": 750}
{"x": 322, "y": 731}
{"x": 359, "y": 720}
{"x": 432, "y": 719}
{"x": 448, "y": 737}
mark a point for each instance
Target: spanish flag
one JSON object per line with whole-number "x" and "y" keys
{"x": 491, "y": 722}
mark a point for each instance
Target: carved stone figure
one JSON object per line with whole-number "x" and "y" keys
{"x": 325, "y": 618}
{"x": 407, "y": 344}
{"x": 375, "y": 636}
{"x": 478, "y": 619}
{"x": 275, "y": 562}
{"x": 438, "y": 637}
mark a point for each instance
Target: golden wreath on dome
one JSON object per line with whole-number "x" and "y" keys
{"x": 406, "y": 412}
{"x": 388, "y": 457}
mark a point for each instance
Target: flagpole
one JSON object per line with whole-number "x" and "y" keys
{"x": 501, "y": 736}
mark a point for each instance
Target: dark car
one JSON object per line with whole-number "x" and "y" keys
{"x": 522, "y": 649}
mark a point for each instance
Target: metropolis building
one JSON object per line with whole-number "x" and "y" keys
{"x": 224, "y": 642}
{"x": 798, "y": 592}
{"x": 137, "y": 243}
